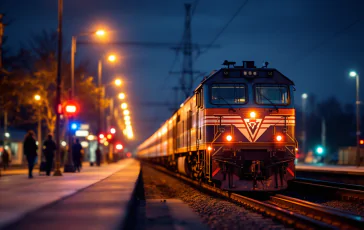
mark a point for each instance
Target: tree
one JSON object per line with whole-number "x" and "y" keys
{"x": 34, "y": 72}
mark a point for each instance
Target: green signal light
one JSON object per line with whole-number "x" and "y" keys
{"x": 320, "y": 150}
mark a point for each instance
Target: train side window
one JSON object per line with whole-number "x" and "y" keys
{"x": 199, "y": 99}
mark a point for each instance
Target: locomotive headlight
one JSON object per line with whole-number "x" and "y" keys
{"x": 253, "y": 114}
{"x": 250, "y": 73}
{"x": 229, "y": 137}
{"x": 245, "y": 73}
{"x": 279, "y": 138}
{"x": 209, "y": 148}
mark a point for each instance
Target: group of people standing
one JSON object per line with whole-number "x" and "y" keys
{"x": 49, "y": 148}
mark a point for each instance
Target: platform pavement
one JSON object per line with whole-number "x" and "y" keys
{"x": 342, "y": 169}
{"x": 57, "y": 202}
{"x": 24, "y": 170}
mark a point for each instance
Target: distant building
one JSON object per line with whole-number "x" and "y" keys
{"x": 14, "y": 139}
{"x": 347, "y": 155}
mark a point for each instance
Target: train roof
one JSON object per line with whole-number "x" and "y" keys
{"x": 248, "y": 72}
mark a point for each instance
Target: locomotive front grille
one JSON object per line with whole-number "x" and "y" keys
{"x": 254, "y": 154}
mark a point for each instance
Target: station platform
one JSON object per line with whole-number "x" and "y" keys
{"x": 335, "y": 173}
{"x": 96, "y": 198}
{"x": 341, "y": 169}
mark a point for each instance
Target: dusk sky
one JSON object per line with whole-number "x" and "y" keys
{"x": 313, "y": 42}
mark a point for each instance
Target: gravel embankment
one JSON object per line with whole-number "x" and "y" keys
{"x": 216, "y": 213}
{"x": 348, "y": 206}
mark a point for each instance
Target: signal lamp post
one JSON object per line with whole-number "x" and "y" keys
{"x": 354, "y": 74}
{"x": 70, "y": 109}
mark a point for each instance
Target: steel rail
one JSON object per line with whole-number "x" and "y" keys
{"x": 332, "y": 189}
{"x": 290, "y": 218}
{"x": 332, "y": 216}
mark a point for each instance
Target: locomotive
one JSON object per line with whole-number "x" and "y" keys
{"x": 237, "y": 131}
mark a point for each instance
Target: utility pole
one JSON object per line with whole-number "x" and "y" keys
{"x": 176, "y": 97}
{"x": 57, "y": 171}
{"x": 323, "y": 132}
{"x": 1, "y": 41}
{"x": 1, "y": 71}
{"x": 187, "y": 79}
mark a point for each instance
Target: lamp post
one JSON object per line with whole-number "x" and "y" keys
{"x": 73, "y": 53}
{"x": 38, "y": 98}
{"x": 354, "y": 74}
{"x": 304, "y": 100}
{"x": 110, "y": 58}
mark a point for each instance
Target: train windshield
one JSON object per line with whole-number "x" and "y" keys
{"x": 223, "y": 94}
{"x": 271, "y": 94}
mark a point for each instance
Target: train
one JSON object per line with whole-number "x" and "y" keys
{"x": 236, "y": 132}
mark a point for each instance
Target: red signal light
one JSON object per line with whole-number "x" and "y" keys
{"x": 112, "y": 130}
{"x": 101, "y": 136}
{"x": 71, "y": 108}
{"x": 59, "y": 109}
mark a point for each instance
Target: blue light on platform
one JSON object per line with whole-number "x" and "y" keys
{"x": 74, "y": 126}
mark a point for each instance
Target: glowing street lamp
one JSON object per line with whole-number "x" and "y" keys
{"x": 118, "y": 82}
{"x": 127, "y": 118}
{"x": 100, "y": 33}
{"x": 111, "y": 58}
{"x": 353, "y": 74}
{"x": 124, "y": 105}
{"x": 126, "y": 112}
{"x": 121, "y": 96}
{"x": 37, "y": 97}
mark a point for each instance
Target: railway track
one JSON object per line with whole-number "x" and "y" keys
{"x": 293, "y": 212}
{"x": 331, "y": 216}
{"x": 333, "y": 190}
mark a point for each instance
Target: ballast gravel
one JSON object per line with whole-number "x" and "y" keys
{"x": 215, "y": 212}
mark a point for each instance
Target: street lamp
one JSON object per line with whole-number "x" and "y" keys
{"x": 124, "y": 105}
{"x": 304, "y": 101}
{"x": 98, "y": 33}
{"x": 37, "y": 98}
{"x": 126, "y": 112}
{"x": 118, "y": 82}
{"x": 354, "y": 74}
{"x": 111, "y": 58}
{"x": 121, "y": 96}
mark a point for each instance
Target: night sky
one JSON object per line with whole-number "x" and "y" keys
{"x": 313, "y": 42}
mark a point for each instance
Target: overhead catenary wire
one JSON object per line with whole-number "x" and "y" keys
{"x": 325, "y": 41}
{"x": 225, "y": 26}
{"x": 177, "y": 50}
